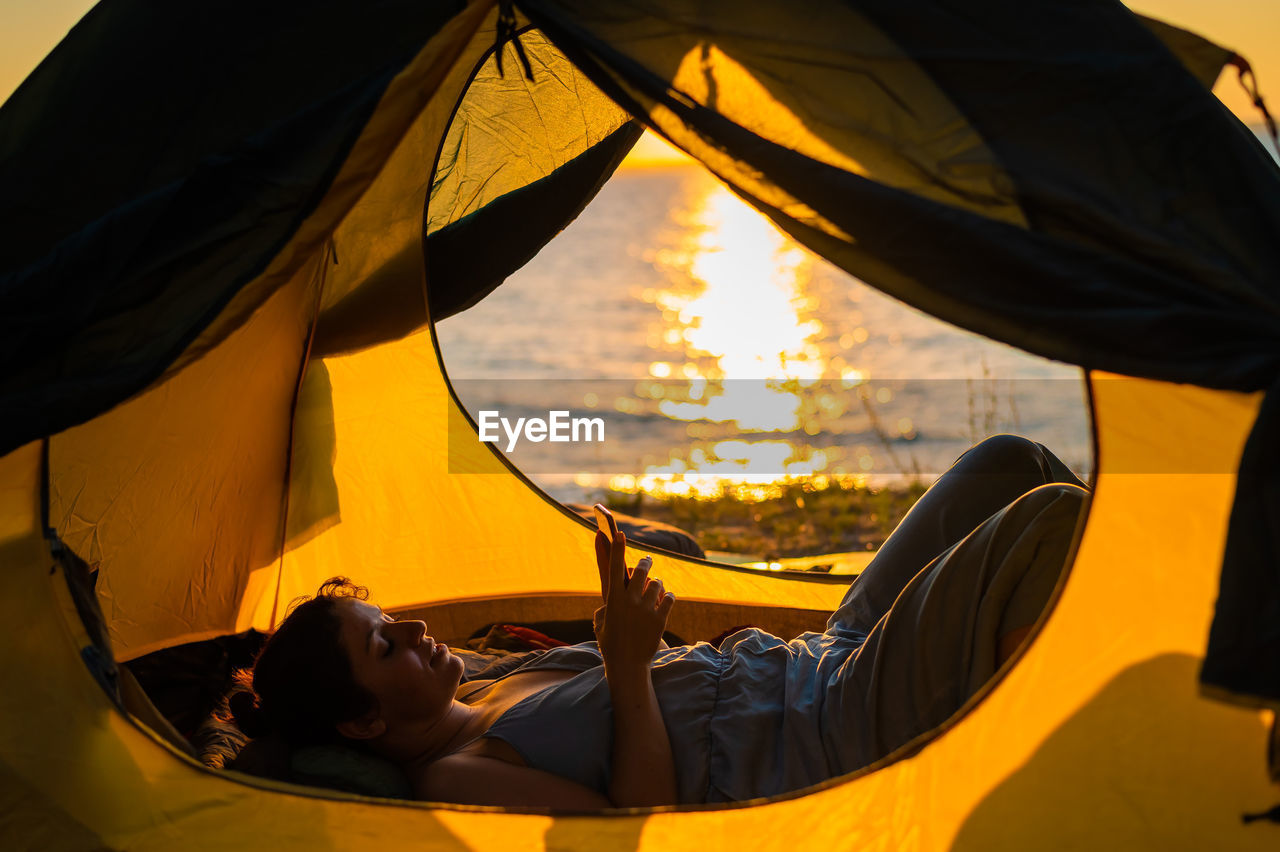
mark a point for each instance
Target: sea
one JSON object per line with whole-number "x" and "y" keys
{"x": 703, "y": 352}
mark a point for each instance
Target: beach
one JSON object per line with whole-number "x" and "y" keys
{"x": 731, "y": 366}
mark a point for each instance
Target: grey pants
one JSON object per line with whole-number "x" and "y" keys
{"x": 977, "y": 556}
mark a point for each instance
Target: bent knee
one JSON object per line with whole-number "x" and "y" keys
{"x": 1007, "y": 448}
{"x": 1047, "y": 520}
{"x": 1058, "y": 498}
{"x": 1005, "y": 455}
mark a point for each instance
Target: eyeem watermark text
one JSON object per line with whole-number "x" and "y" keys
{"x": 559, "y": 427}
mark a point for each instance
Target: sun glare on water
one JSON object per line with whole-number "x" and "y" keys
{"x": 740, "y": 339}
{"x": 738, "y": 300}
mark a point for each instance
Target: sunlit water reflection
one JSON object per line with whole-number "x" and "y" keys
{"x": 738, "y": 359}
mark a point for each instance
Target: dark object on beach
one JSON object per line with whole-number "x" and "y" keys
{"x": 653, "y": 533}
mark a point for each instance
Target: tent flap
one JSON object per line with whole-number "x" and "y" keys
{"x": 1243, "y": 660}
{"x": 122, "y": 258}
{"x": 1116, "y": 255}
{"x": 469, "y": 258}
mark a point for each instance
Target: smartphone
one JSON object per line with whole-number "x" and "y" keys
{"x": 607, "y": 525}
{"x": 605, "y": 522}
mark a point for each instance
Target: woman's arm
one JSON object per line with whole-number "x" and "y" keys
{"x": 471, "y": 779}
{"x": 644, "y": 772}
{"x": 629, "y": 627}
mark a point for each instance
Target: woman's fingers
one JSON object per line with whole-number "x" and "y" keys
{"x": 664, "y": 606}
{"x": 602, "y": 562}
{"x": 653, "y": 592}
{"x": 618, "y": 563}
{"x": 639, "y": 578}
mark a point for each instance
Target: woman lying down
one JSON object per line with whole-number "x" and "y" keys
{"x": 621, "y": 723}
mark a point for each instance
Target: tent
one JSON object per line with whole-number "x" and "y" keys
{"x": 217, "y": 390}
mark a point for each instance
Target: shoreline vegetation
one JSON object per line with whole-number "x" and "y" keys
{"x": 802, "y": 520}
{"x": 843, "y": 519}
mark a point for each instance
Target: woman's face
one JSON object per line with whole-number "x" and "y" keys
{"x": 413, "y": 677}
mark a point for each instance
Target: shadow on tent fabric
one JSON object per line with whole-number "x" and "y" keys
{"x": 619, "y": 834}
{"x": 313, "y": 491}
{"x": 1133, "y": 750}
{"x": 32, "y": 816}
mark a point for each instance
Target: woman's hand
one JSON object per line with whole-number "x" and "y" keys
{"x": 629, "y": 626}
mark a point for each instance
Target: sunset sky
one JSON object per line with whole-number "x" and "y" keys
{"x": 30, "y": 28}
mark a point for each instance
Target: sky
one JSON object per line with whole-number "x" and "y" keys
{"x": 29, "y": 29}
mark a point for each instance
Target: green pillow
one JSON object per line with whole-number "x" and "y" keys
{"x": 339, "y": 767}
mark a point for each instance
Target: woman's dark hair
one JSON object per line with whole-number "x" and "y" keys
{"x": 302, "y": 683}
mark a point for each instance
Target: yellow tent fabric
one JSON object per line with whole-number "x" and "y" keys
{"x": 1098, "y": 732}
{"x": 246, "y": 470}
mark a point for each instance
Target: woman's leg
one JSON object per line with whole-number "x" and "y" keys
{"x": 985, "y": 479}
{"x": 940, "y": 641}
